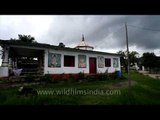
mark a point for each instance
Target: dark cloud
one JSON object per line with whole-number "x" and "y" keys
{"x": 101, "y": 31}
{"x": 107, "y": 31}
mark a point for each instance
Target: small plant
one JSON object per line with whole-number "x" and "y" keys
{"x": 91, "y": 78}
{"x": 112, "y": 76}
{"x": 122, "y": 77}
{"x": 81, "y": 76}
{"x": 71, "y": 78}
{"x": 26, "y": 91}
{"x": 102, "y": 76}
{"x": 46, "y": 78}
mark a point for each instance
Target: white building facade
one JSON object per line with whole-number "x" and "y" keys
{"x": 101, "y": 62}
{"x": 45, "y": 58}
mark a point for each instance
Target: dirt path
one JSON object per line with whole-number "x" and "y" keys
{"x": 155, "y": 76}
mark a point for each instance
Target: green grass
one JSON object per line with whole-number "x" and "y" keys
{"x": 146, "y": 91}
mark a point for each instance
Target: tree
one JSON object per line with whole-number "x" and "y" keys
{"x": 25, "y": 38}
{"x": 123, "y": 59}
{"x": 133, "y": 57}
{"x": 149, "y": 60}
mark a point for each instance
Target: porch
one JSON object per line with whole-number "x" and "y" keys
{"x": 23, "y": 61}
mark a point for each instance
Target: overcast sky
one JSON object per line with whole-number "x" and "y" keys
{"x": 104, "y": 32}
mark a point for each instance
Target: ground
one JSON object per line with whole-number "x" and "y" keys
{"x": 144, "y": 91}
{"x": 151, "y": 75}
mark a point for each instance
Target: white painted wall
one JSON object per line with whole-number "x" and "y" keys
{"x": 3, "y": 71}
{"x": 5, "y": 59}
{"x": 0, "y": 55}
{"x": 75, "y": 69}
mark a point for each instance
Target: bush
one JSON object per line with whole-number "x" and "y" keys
{"x": 112, "y": 76}
{"x": 2, "y": 97}
{"x": 102, "y": 76}
{"x": 71, "y": 78}
{"x": 122, "y": 77}
{"x": 46, "y": 78}
{"x": 81, "y": 76}
{"x": 91, "y": 78}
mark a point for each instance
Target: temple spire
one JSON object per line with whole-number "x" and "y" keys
{"x": 83, "y": 45}
{"x": 82, "y": 37}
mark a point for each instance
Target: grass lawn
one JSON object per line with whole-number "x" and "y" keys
{"x": 144, "y": 91}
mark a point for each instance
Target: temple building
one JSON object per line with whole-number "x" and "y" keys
{"x": 38, "y": 58}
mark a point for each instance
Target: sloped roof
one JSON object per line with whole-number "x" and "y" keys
{"x": 42, "y": 45}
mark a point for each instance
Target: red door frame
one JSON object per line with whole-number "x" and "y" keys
{"x": 92, "y": 65}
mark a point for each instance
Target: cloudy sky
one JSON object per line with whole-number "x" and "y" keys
{"x": 104, "y": 32}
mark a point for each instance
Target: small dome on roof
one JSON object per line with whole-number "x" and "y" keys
{"x": 83, "y": 45}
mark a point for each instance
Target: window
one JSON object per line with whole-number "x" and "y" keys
{"x": 100, "y": 61}
{"x": 82, "y": 61}
{"x": 69, "y": 61}
{"x": 107, "y": 62}
{"x": 54, "y": 60}
{"x": 115, "y": 62}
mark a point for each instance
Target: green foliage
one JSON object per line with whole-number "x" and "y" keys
{"x": 102, "y": 76}
{"x": 2, "y": 97}
{"x": 150, "y": 60}
{"x": 133, "y": 58}
{"x": 71, "y": 79}
{"x": 46, "y": 78}
{"x": 146, "y": 91}
{"x": 112, "y": 76}
{"x": 24, "y": 38}
{"x": 81, "y": 76}
{"x": 90, "y": 78}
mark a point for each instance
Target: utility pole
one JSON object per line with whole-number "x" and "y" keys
{"x": 129, "y": 81}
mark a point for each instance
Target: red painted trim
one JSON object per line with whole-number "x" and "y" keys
{"x": 63, "y": 76}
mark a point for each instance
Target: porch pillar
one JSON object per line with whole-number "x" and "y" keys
{"x": 5, "y": 56}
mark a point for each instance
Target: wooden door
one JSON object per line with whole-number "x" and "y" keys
{"x": 92, "y": 65}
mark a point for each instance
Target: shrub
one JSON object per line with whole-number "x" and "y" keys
{"x": 91, "y": 78}
{"x": 27, "y": 91}
{"x": 71, "y": 78}
{"x": 122, "y": 77}
{"x": 81, "y": 76}
{"x": 2, "y": 97}
{"x": 102, "y": 76}
{"x": 112, "y": 76}
{"x": 46, "y": 78}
